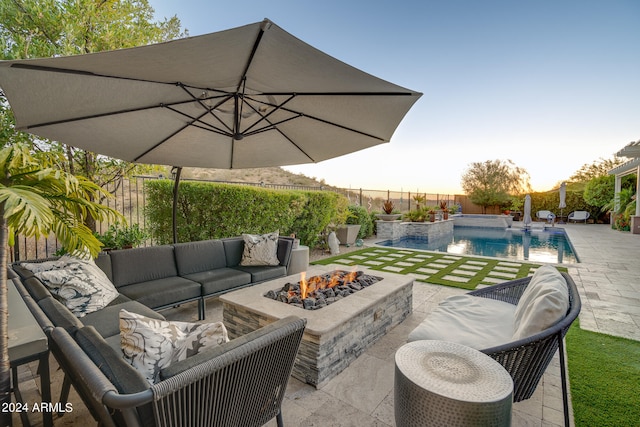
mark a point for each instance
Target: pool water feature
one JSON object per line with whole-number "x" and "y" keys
{"x": 550, "y": 245}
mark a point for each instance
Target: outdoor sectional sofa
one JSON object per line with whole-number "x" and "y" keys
{"x": 88, "y": 348}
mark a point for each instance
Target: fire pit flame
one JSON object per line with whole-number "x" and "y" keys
{"x": 318, "y": 291}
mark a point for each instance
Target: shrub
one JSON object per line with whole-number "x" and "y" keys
{"x": 212, "y": 211}
{"x": 120, "y": 236}
{"x": 359, "y": 215}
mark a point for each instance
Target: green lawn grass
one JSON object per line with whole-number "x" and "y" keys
{"x": 604, "y": 375}
{"x": 438, "y": 268}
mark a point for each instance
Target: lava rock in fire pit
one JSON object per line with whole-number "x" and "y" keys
{"x": 322, "y": 290}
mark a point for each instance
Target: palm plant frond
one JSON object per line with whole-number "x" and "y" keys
{"x": 38, "y": 199}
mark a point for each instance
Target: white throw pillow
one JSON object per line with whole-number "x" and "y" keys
{"x": 260, "y": 249}
{"x": 78, "y": 283}
{"x": 151, "y": 345}
{"x": 544, "y": 303}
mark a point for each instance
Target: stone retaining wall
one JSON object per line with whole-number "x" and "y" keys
{"x": 395, "y": 230}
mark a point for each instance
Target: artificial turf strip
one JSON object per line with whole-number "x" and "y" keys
{"x": 436, "y": 267}
{"x": 604, "y": 376}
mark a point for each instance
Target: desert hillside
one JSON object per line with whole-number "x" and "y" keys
{"x": 274, "y": 175}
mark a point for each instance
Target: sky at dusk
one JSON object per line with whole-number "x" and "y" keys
{"x": 550, "y": 85}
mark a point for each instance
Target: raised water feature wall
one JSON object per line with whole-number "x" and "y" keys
{"x": 429, "y": 230}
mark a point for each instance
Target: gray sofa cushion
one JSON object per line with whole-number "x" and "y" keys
{"x": 233, "y": 250}
{"x": 195, "y": 257}
{"x": 162, "y": 292}
{"x": 119, "y": 300}
{"x": 123, "y": 376}
{"x": 104, "y": 262}
{"x": 22, "y": 272}
{"x": 220, "y": 279}
{"x": 115, "y": 343}
{"x": 262, "y": 273}
{"x": 36, "y": 288}
{"x": 106, "y": 321}
{"x": 60, "y": 315}
{"x": 142, "y": 264}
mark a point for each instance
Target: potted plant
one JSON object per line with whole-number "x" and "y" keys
{"x": 122, "y": 237}
{"x": 445, "y": 211}
{"x": 432, "y": 215}
{"x": 348, "y": 233}
{"x": 418, "y": 215}
{"x": 419, "y": 199}
{"x": 388, "y": 207}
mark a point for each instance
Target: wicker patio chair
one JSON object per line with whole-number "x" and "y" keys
{"x": 528, "y": 358}
{"x": 243, "y": 384}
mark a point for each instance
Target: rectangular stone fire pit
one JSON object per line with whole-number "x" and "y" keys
{"x": 336, "y": 334}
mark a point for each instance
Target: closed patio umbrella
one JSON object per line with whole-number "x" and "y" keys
{"x": 527, "y": 211}
{"x": 563, "y": 200}
{"x": 252, "y": 96}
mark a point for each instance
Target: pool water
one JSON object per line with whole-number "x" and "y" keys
{"x": 552, "y": 246}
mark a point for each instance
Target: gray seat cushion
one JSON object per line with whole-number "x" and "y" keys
{"x": 162, "y": 292}
{"x": 106, "y": 321}
{"x": 220, "y": 279}
{"x": 142, "y": 265}
{"x": 262, "y": 273}
{"x": 195, "y": 257}
{"x": 119, "y": 300}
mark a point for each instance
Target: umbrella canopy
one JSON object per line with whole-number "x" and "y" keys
{"x": 527, "y": 211}
{"x": 252, "y": 96}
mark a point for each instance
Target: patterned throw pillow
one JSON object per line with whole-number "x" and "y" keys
{"x": 260, "y": 249}
{"x": 151, "y": 345}
{"x": 78, "y": 283}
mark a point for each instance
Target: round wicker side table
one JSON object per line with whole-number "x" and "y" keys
{"x": 446, "y": 384}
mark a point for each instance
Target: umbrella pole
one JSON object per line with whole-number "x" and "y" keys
{"x": 174, "y": 211}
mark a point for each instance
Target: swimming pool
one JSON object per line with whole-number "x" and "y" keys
{"x": 550, "y": 245}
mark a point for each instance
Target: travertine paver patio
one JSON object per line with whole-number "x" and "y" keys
{"x": 609, "y": 283}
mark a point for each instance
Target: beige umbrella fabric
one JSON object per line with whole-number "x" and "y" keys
{"x": 252, "y": 96}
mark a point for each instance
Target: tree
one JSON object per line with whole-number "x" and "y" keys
{"x": 38, "y": 199}
{"x": 37, "y": 28}
{"x": 600, "y": 167}
{"x": 494, "y": 182}
{"x": 600, "y": 190}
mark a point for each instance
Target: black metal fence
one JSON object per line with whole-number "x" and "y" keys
{"x": 128, "y": 198}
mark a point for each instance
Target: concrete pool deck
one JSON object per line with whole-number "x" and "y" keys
{"x": 608, "y": 279}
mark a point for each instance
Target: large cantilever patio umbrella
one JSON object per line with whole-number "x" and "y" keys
{"x": 252, "y": 96}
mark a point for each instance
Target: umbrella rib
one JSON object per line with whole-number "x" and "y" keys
{"x": 204, "y": 125}
{"x": 111, "y": 113}
{"x": 168, "y": 138}
{"x": 265, "y": 24}
{"x": 210, "y": 110}
{"x": 266, "y": 116}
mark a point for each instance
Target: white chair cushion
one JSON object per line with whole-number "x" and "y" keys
{"x": 469, "y": 320}
{"x": 543, "y": 303}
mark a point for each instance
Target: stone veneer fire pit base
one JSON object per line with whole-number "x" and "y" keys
{"x": 336, "y": 334}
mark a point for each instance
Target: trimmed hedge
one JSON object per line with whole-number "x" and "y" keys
{"x": 213, "y": 211}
